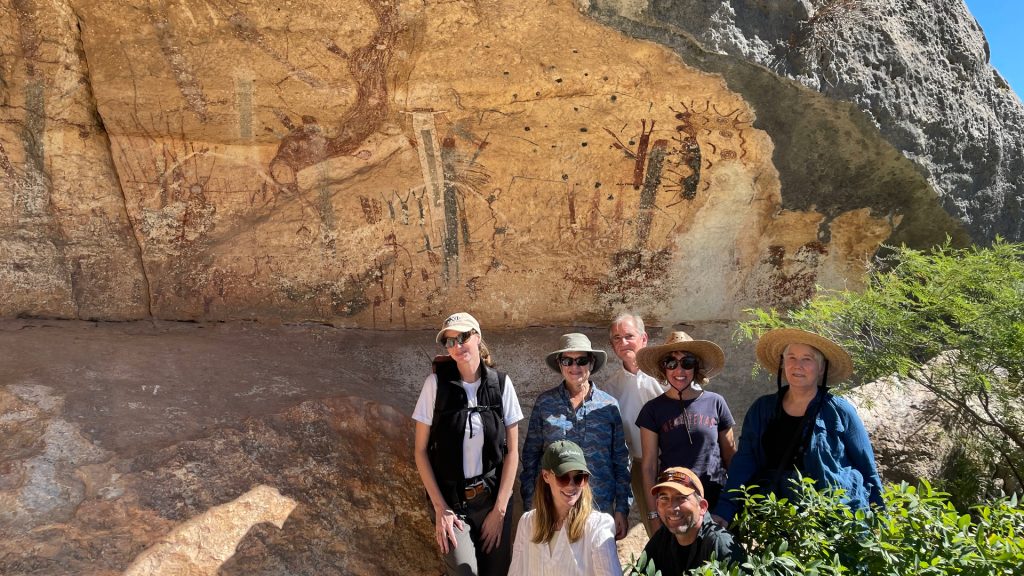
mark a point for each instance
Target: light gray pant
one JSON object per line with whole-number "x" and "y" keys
{"x": 468, "y": 558}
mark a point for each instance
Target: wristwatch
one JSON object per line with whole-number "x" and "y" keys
{"x": 652, "y": 515}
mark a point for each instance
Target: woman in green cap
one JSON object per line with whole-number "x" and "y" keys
{"x": 563, "y": 535}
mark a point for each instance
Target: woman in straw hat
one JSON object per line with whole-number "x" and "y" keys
{"x": 687, "y": 426}
{"x": 563, "y": 535}
{"x": 467, "y": 422}
{"x": 803, "y": 427}
{"x": 576, "y": 410}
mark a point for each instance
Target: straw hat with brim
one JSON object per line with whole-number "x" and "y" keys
{"x": 712, "y": 359}
{"x": 772, "y": 343}
{"x": 576, "y": 342}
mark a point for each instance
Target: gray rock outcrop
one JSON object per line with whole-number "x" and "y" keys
{"x": 919, "y": 69}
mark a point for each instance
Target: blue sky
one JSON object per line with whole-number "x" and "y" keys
{"x": 1002, "y": 21}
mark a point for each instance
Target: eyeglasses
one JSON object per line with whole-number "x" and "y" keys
{"x": 687, "y": 362}
{"x": 581, "y": 361}
{"x": 679, "y": 478}
{"x": 451, "y": 341}
{"x": 576, "y": 479}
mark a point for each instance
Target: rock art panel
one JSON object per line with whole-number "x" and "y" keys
{"x": 372, "y": 163}
{"x": 66, "y": 246}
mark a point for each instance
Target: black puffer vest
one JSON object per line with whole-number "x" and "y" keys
{"x": 448, "y": 429}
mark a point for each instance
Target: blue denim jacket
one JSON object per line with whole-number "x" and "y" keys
{"x": 597, "y": 427}
{"x": 839, "y": 454}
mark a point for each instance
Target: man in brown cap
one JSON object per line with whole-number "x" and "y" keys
{"x": 688, "y": 537}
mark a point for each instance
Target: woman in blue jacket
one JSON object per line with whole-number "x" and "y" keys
{"x": 803, "y": 427}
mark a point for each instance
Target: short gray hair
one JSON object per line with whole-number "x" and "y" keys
{"x": 638, "y": 322}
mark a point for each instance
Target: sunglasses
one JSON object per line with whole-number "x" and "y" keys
{"x": 451, "y": 341}
{"x": 679, "y": 478}
{"x": 687, "y": 362}
{"x": 581, "y": 361}
{"x": 576, "y": 479}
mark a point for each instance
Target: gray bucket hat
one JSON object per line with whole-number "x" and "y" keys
{"x": 576, "y": 342}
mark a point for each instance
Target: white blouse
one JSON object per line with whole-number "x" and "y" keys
{"x": 593, "y": 554}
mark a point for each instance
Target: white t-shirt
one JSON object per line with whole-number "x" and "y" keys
{"x": 592, "y": 555}
{"x": 632, "y": 392}
{"x": 473, "y": 441}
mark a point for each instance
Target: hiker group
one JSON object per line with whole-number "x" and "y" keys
{"x": 651, "y": 433}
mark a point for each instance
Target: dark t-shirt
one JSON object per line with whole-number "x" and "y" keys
{"x": 782, "y": 436}
{"x": 682, "y": 554}
{"x": 699, "y": 451}
{"x": 664, "y": 551}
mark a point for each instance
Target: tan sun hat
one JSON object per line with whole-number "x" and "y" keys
{"x": 460, "y": 322}
{"x": 576, "y": 342}
{"x": 712, "y": 359}
{"x": 772, "y": 343}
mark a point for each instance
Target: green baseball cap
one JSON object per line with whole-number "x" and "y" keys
{"x": 563, "y": 456}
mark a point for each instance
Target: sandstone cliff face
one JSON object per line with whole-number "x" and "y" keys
{"x": 169, "y": 481}
{"x": 233, "y": 448}
{"x": 919, "y": 69}
{"x": 374, "y": 164}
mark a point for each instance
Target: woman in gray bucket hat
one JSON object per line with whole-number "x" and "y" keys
{"x": 577, "y": 410}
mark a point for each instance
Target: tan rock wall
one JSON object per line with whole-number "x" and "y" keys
{"x": 379, "y": 164}
{"x": 66, "y": 245}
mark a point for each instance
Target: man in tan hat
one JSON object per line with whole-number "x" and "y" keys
{"x": 632, "y": 388}
{"x": 688, "y": 537}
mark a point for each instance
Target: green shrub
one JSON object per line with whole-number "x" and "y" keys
{"x": 919, "y": 533}
{"x": 950, "y": 320}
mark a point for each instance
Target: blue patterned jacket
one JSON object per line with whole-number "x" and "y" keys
{"x": 597, "y": 427}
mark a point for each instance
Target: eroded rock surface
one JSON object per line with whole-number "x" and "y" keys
{"x": 119, "y": 436}
{"x": 371, "y": 163}
{"x": 200, "y": 545}
{"x": 918, "y": 69}
{"x": 88, "y": 489}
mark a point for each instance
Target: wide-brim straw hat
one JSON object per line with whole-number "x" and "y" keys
{"x": 576, "y": 342}
{"x": 772, "y": 343}
{"x": 712, "y": 358}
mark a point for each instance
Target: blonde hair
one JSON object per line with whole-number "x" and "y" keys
{"x": 485, "y": 353}
{"x": 545, "y": 515}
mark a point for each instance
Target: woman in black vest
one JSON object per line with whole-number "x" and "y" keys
{"x": 467, "y": 451}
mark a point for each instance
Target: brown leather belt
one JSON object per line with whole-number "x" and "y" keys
{"x": 476, "y": 490}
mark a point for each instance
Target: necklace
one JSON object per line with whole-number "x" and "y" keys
{"x": 686, "y": 415}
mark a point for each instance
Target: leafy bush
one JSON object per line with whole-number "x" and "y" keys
{"x": 950, "y": 320}
{"x": 919, "y": 533}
